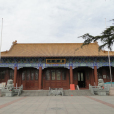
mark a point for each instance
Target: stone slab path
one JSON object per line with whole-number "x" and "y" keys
{"x": 57, "y": 105}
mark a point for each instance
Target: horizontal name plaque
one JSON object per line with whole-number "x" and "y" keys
{"x": 55, "y": 61}
{"x": 28, "y": 65}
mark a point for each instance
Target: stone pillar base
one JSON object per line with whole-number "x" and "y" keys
{"x": 102, "y": 93}
{"x": 111, "y": 91}
{"x": 9, "y": 94}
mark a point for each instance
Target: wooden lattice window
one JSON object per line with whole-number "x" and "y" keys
{"x": 79, "y": 77}
{"x": 2, "y": 74}
{"x": 47, "y": 75}
{"x": 28, "y": 75}
{"x": 36, "y": 75}
{"x": 99, "y": 75}
{"x": 74, "y": 75}
{"x": 23, "y": 75}
{"x": 32, "y": 75}
{"x": 11, "y": 76}
{"x": 82, "y": 78}
{"x": 58, "y": 75}
{"x": 63, "y": 76}
{"x": 53, "y": 75}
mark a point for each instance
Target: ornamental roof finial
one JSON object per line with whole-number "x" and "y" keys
{"x": 15, "y": 42}
{"x": 96, "y": 42}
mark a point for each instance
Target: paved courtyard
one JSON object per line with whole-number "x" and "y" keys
{"x": 57, "y": 105}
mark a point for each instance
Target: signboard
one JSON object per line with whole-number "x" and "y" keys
{"x": 3, "y": 84}
{"x": 104, "y": 76}
{"x": 55, "y": 61}
{"x": 28, "y": 65}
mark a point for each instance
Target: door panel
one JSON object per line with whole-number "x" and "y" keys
{"x": 81, "y": 79}
{"x": 75, "y": 78}
{"x": 55, "y": 78}
{"x": 58, "y": 75}
{"x": 30, "y": 79}
{"x": 53, "y": 84}
{"x": 64, "y": 84}
{"x": 53, "y": 75}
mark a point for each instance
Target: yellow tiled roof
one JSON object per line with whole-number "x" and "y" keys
{"x": 54, "y": 50}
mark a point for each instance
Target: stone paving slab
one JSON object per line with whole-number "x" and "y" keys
{"x": 57, "y": 105}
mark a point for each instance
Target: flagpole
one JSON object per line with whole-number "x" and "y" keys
{"x": 1, "y": 38}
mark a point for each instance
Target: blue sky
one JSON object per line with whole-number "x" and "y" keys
{"x": 53, "y": 21}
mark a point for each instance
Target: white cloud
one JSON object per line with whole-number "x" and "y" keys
{"x": 38, "y": 21}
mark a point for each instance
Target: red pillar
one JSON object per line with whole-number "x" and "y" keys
{"x": 71, "y": 75}
{"x": 40, "y": 76}
{"x": 95, "y": 75}
{"x": 15, "y": 76}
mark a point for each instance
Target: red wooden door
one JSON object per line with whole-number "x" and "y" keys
{"x": 55, "y": 78}
{"x": 24, "y": 79}
{"x": 30, "y": 79}
{"x": 81, "y": 79}
{"x": 75, "y": 78}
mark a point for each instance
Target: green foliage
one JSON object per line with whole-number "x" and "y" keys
{"x": 106, "y": 37}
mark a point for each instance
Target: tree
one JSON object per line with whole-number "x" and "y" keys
{"x": 106, "y": 37}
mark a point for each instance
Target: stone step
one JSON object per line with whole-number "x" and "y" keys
{"x": 66, "y": 93}
{"x": 77, "y": 93}
{"x": 34, "y": 93}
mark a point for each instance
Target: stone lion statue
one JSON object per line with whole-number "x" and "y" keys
{"x": 10, "y": 85}
{"x": 100, "y": 83}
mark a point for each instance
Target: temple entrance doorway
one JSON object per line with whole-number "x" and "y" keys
{"x": 29, "y": 78}
{"x": 83, "y": 76}
{"x": 81, "y": 79}
{"x": 55, "y": 78}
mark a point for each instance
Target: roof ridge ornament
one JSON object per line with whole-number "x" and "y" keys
{"x": 15, "y": 42}
{"x": 96, "y": 42}
{"x": 104, "y": 51}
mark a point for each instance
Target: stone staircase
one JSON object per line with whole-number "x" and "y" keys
{"x": 34, "y": 93}
{"x": 77, "y": 93}
{"x": 66, "y": 93}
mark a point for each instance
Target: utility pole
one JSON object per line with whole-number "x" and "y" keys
{"x": 1, "y": 38}
{"x": 109, "y": 60}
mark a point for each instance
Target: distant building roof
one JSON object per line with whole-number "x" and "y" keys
{"x": 54, "y": 50}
